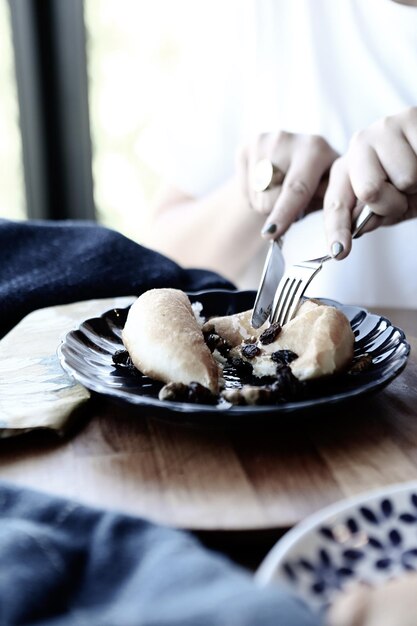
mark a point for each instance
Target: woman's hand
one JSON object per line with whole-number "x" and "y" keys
{"x": 304, "y": 162}
{"x": 380, "y": 170}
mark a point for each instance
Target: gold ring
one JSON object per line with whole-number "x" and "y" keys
{"x": 266, "y": 175}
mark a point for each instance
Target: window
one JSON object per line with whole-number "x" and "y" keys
{"x": 95, "y": 67}
{"x": 134, "y": 48}
{"x": 12, "y": 192}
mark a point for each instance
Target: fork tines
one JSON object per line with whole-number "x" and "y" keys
{"x": 296, "y": 280}
{"x": 291, "y": 289}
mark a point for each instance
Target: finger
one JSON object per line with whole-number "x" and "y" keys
{"x": 409, "y": 127}
{"x": 264, "y": 201}
{"x": 339, "y": 202}
{"x": 408, "y": 215}
{"x": 308, "y": 164}
{"x": 370, "y": 184}
{"x": 398, "y": 160}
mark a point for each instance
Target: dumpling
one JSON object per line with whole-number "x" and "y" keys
{"x": 165, "y": 341}
{"x": 320, "y": 336}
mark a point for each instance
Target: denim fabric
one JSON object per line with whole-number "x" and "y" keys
{"x": 64, "y": 564}
{"x": 46, "y": 263}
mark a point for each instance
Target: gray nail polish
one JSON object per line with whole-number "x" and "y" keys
{"x": 337, "y": 248}
{"x": 269, "y": 229}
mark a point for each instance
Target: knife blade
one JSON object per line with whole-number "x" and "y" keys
{"x": 271, "y": 275}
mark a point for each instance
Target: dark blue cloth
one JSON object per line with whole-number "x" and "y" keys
{"x": 62, "y": 564}
{"x": 48, "y": 263}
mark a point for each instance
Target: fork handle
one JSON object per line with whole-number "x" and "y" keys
{"x": 362, "y": 219}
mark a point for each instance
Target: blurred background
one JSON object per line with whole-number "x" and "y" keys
{"x": 82, "y": 83}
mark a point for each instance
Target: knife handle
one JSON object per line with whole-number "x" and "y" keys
{"x": 362, "y": 219}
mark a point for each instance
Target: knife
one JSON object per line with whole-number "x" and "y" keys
{"x": 271, "y": 275}
{"x": 274, "y": 270}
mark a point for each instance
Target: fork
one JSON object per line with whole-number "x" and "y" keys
{"x": 298, "y": 277}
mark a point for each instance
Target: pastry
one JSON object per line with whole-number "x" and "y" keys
{"x": 166, "y": 343}
{"x": 320, "y": 338}
{"x": 233, "y": 328}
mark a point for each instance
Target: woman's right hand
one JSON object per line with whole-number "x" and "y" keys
{"x": 304, "y": 162}
{"x": 379, "y": 169}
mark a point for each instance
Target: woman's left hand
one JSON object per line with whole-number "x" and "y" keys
{"x": 380, "y": 170}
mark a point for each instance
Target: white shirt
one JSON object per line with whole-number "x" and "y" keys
{"x": 328, "y": 67}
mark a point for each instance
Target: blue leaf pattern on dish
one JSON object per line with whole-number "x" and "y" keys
{"x": 372, "y": 538}
{"x": 327, "y": 532}
{"x": 395, "y": 537}
{"x": 352, "y": 525}
{"x": 408, "y": 518}
{"x": 353, "y": 555}
{"x": 375, "y": 543}
{"x": 386, "y": 507}
{"x": 369, "y": 515}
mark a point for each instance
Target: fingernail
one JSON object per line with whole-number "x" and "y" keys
{"x": 269, "y": 229}
{"x": 337, "y": 248}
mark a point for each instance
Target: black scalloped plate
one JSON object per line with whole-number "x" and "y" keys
{"x": 86, "y": 354}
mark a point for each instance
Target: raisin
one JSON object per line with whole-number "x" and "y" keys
{"x": 286, "y": 386}
{"x": 199, "y": 394}
{"x": 121, "y": 358}
{"x": 242, "y": 368}
{"x": 215, "y": 342}
{"x": 284, "y": 356}
{"x": 270, "y": 334}
{"x": 250, "y": 350}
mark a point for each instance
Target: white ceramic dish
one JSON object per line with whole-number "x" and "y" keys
{"x": 369, "y": 538}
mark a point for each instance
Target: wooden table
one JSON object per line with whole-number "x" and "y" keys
{"x": 259, "y": 479}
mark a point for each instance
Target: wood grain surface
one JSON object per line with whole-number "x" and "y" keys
{"x": 256, "y": 478}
